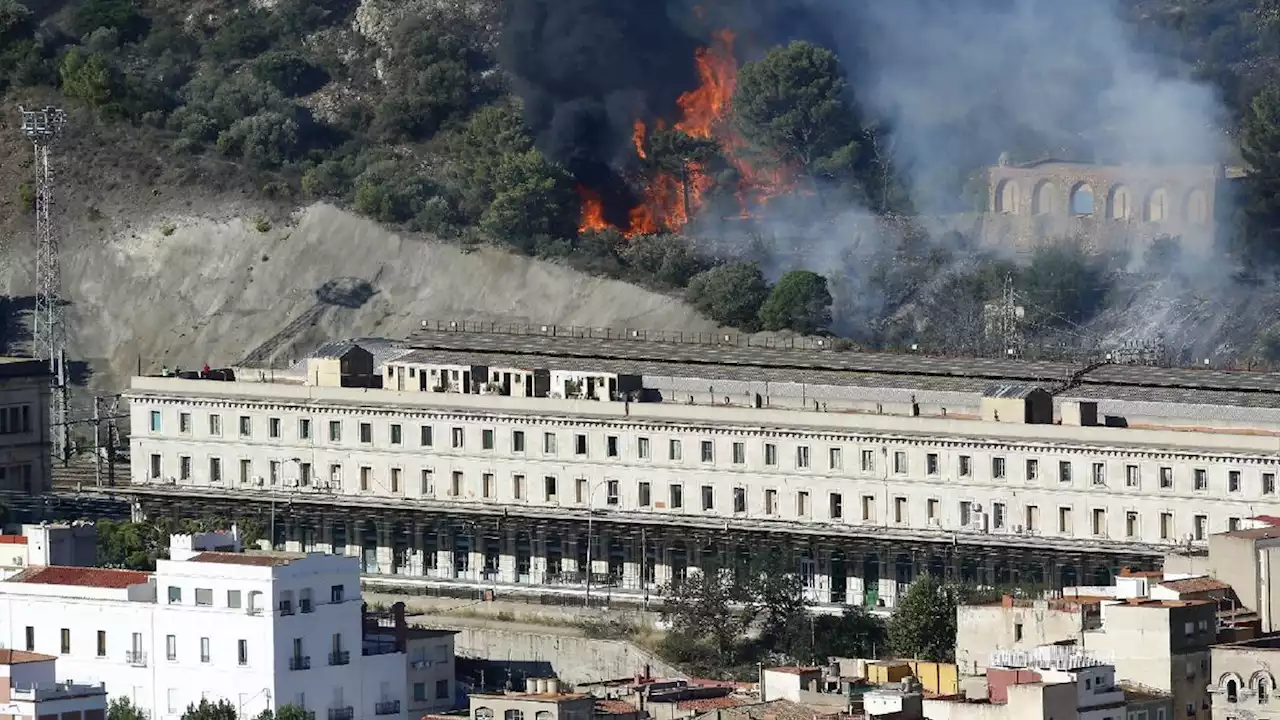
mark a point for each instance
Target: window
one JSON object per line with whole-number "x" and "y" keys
{"x": 397, "y": 434}
{"x": 868, "y": 461}
{"x": 1233, "y": 524}
{"x": 366, "y": 433}
{"x": 155, "y": 421}
{"x": 204, "y": 596}
{"x": 997, "y": 516}
{"x": 770, "y": 502}
{"x": 673, "y": 450}
{"x": 1202, "y": 479}
{"x": 215, "y": 425}
{"x": 802, "y": 456}
{"x": 770, "y": 454}
{"x": 1202, "y": 527}
{"x": 1033, "y": 469}
{"x": 426, "y": 436}
{"x": 1032, "y": 518}
{"x": 642, "y": 448}
{"x": 549, "y": 487}
{"x": 170, "y": 647}
{"x": 335, "y": 431}
{"x": 997, "y": 468}
{"x": 899, "y": 510}
{"x": 1064, "y": 471}
{"x": 1099, "y": 521}
{"x": 708, "y": 451}
{"x": 31, "y": 638}
{"x": 835, "y": 506}
{"x": 835, "y": 458}
{"x": 366, "y": 477}
{"x": 246, "y": 426}
{"x": 486, "y": 439}
{"x": 642, "y": 494}
{"x": 204, "y": 649}
{"x": 966, "y": 466}
{"x": 868, "y": 508}
{"x": 900, "y": 463}
{"x": 65, "y": 641}
{"x": 1017, "y": 632}
{"x": 184, "y": 423}
{"x": 455, "y": 484}
{"x": 233, "y": 599}
{"x": 931, "y": 509}
{"x": 273, "y": 427}
{"x": 580, "y": 444}
{"x": 931, "y": 464}
{"x": 215, "y": 470}
{"x": 395, "y": 480}
{"x": 242, "y": 652}
{"x": 428, "y": 482}
{"x": 486, "y": 486}
{"x": 1166, "y": 526}
{"x": 184, "y": 467}
{"x": 548, "y": 443}
{"x": 739, "y": 453}
{"x": 1132, "y": 478}
{"x": 456, "y": 437}
{"x": 517, "y": 487}
{"x": 1166, "y": 478}
{"x": 708, "y": 497}
{"x": 442, "y": 689}
{"x": 1233, "y": 481}
{"x": 966, "y": 513}
{"x": 802, "y": 503}
{"x": 1268, "y": 483}
{"x": 677, "y": 496}
{"x": 513, "y": 715}
{"x": 1064, "y": 520}
{"x": 1131, "y": 524}
{"x": 517, "y": 441}
{"x": 336, "y": 593}
{"x": 102, "y": 643}
{"x": 419, "y": 692}
{"x": 304, "y": 429}
{"x": 175, "y": 595}
{"x": 580, "y": 490}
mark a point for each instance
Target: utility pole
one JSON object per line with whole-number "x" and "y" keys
{"x": 44, "y": 128}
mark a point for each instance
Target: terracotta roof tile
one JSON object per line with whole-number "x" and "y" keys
{"x": 614, "y": 707}
{"x": 1195, "y": 584}
{"x": 17, "y": 657}
{"x": 13, "y": 539}
{"x": 707, "y": 704}
{"x": 81, "y": 576}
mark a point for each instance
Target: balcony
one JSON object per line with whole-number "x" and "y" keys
{"x": 136, "y": 658}
{"x": 340, "y": 657}
{"x": 387, "y": 707}
{"x": 342, "y": 713}
{"x": 301, "y": 662}
{"x": 305, "y": 606}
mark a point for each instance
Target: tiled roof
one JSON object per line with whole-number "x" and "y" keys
{"x": 773, "y": 710}
{"x": 17, "y": 657}
{"x": 13, "y": 539}
{"x": 614, "y": 707}
{"x": 81, "y": 576}
{"x": 793, "y": 670}
{"x": 232, "y": 558}
{"x": 708, "y": 704}
{"x": 1195, "y": 585}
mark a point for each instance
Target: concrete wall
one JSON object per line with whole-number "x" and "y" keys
{"x": 574, "y": 659}
{"x": 983, "y": 629}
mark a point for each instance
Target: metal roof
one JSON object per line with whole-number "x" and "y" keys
{"x": 1011, "y": 390}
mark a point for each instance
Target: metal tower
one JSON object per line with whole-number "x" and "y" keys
{"x": 43, "y": 128}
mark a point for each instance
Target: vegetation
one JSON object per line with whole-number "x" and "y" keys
{"x": 205, "y": 710}
{"x": 122, "y": 708}
{"x": 137, "y": 545}
{"x": 923, "y": 625}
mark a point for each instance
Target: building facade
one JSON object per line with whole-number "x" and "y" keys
{"x": 25, "y": 460}
{"x": 258, "y": 630}
{"x": 30, "y": 690}
{"x": 1244, "y": 685}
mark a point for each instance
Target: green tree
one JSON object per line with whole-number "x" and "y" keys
{"x": 792, "y": 104}
{"x": 730, "y": 294}
{"x": 15, "y": 19}
{"x": 86, "y": 77}
{"x": 285, "y": 712}
{"x": 434, "y": 76}
{"x": 923, "y": 625}
{"x": 119, "y": 15}
{"x": 122, "y": 708}
{"x": 1260, "y": 149}
{"x": 478, "y": 148}
{"x": 290, "y": 72}
{"x": 1062, "y": 286}
{"x": 221, "y": 710}
{"x": 532, "y": 197}
{"x": 800, "y": 301}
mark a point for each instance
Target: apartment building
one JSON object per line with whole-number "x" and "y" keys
{"x": 25, "y": 466}
{"x": 260, "y": 630}
{"x": 30, "y": 690}
{"x": 1244, "y": 682}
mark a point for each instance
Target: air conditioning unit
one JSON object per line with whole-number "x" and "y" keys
{"x": 935, "y": 522}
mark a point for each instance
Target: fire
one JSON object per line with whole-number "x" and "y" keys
{"x": 669, "y": 201}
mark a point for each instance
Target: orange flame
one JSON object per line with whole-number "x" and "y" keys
{"x": 592, "y": 217}
{"x": 670, "y": 201}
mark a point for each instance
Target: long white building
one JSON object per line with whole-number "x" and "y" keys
{"x": 258, "y": 630}
{"x": 481, "y": 459}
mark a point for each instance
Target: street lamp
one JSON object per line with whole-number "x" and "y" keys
{"x": 591, "y": 512}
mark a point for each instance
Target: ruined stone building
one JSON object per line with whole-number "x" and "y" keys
{"x": 1108, "y": 207}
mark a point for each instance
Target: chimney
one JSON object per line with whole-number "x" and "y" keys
{"x": 402, "y": 627}
{"x": 1006, "y": 601}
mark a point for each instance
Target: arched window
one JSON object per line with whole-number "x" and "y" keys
{"x": 1157, "y": 209}
{"x": 1264, "y": 691}
{"x": 1082, "y": 200}
{"x": 543, "y": 715}
{"x": 1007, "y": 197}
{"x": 1044, "y": 202}
{"x": 513, "y": 715}
{"x": 484, "y": 713}
{"x": 1121, "y": 203}
{"x": 1197, "y": 207}
{"x": 1233, "y": 691}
